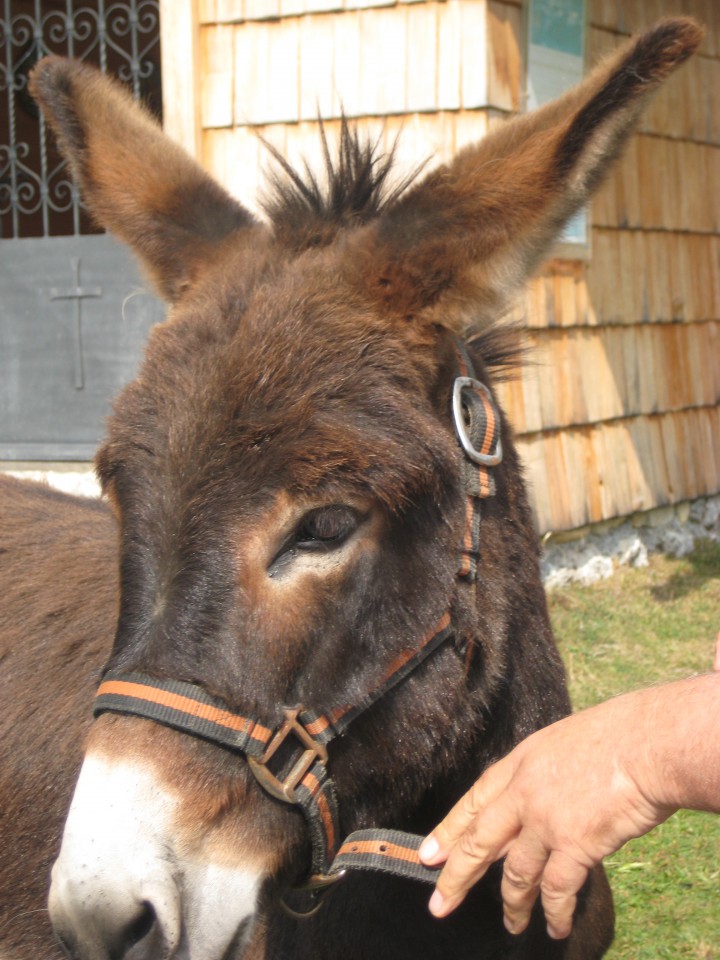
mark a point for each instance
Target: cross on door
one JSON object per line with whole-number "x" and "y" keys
{"x": 78, "y": 294}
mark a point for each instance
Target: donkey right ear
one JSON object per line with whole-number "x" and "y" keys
{"x": 457, "y": 246}
{"x": 136, "y": 182}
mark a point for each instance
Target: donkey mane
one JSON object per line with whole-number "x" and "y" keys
{"x": 308, "y": 211}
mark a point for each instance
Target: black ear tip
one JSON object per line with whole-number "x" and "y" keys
{"x": 688, "y": 31}
{"x": 49, "y": 76}
{"x": 675, "y": 39}
{"x": 55, "y": 83}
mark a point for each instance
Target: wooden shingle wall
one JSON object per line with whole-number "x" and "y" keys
{"x": 620, "y": 412}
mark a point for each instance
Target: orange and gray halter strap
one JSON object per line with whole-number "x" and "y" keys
{"x": 290, "y": 762}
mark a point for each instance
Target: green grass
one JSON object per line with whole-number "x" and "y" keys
{"x": 638, "y": 628}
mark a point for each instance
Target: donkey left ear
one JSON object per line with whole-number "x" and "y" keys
{"x": 456, "y": 247}
{"x": 137, "y": 183}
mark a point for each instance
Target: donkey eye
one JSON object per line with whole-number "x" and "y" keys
{"x": 326, "y": 526}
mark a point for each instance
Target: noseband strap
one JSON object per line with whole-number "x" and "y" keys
{"x": 290, "y": 762}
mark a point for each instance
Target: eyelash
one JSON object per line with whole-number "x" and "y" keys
{"x": 326, "y": 527}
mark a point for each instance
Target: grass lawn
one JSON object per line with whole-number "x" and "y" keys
{"x": 638, "y": 628}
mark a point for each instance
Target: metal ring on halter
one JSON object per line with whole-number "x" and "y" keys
{"x": 461, "y": 428}
{"x": 316, "y": 888}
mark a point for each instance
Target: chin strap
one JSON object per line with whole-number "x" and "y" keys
{"x": 290, "y": 763}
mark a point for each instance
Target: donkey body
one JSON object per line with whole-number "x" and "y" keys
{"x": 58, "y": 612}
{"x": 291, "y": 499}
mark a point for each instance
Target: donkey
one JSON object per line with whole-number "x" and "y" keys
{"x": 329, "y": 612}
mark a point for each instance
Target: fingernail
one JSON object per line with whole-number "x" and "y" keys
{"x": 437, "y": 904}
{"x": 429, "y": 849}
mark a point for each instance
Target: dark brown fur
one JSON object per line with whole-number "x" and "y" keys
{"x": 310, "y": 363}
{"x": 58, "y": 569}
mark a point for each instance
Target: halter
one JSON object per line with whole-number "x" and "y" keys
{"x": 291, "y": 762}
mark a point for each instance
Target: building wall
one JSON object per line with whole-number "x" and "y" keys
{"x": 620, "y": 411}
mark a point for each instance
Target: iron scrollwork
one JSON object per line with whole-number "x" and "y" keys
{"x": 37, "y": 196}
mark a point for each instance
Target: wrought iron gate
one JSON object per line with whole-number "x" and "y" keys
{"x": 74, "y": 313}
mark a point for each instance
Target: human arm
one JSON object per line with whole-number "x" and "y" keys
{"x": 575, "y": 792}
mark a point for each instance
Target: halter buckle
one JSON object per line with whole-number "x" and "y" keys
{"x": 494, "y": 457}
{"x": 284, "y": 789}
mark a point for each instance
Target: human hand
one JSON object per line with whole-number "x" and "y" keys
{"x": 561, "y": 801}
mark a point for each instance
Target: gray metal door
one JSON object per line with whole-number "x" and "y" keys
{"x": 74, "y": 311}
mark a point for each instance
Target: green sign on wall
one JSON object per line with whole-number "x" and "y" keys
{"x": 558, "y": 25}
{"x": 556, "y": 62}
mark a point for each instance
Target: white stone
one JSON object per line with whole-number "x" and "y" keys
{"x": 591, "y": 558}
{"x": 677, "y": 541}
{"x": 697, "y": 510}
{"x": 632, "y": 552}
{"x": 598, "y": 568}
{"x": 711, "y": 514}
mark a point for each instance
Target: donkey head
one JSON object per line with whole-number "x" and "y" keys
{"x": 288, "y": 485}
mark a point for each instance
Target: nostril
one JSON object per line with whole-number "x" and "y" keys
{"x": 141, "y": 931}
{"x": 142, "y": 939}
{"x": 140, "y": 927}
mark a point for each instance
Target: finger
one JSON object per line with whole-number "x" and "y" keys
{"x": 436, "y": 847}
{"x": 522, "y": 873}
{"x": 561, "y": 881}
{"x": 485, "y": 841}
